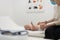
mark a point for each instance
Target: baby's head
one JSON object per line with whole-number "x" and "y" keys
{"x": 57, "y": 2}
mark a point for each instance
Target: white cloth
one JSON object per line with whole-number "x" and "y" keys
{"x": 6, "y": 23}
{"x": 40, "y": 34}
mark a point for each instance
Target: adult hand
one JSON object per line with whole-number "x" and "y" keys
{"x": 42, "y": 22}
{"x": 42, "y": 25}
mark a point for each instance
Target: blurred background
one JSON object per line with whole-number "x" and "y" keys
{"x": 17, "y": 10}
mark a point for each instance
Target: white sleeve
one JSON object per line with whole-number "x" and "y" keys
{"x": 57, "y": 22}
{"x": 56, "y": 16}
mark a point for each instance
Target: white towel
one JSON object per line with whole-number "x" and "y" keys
{"x": 40, "y": 34}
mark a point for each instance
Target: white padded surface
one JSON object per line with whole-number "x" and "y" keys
{"x": 6, "y": 23}
{"x": 35, "y": 38}
{"x": 3, "y": 37}
{"x": 40, "y": 34}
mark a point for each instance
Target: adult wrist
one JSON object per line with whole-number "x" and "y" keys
{"x": 46, "y": 22}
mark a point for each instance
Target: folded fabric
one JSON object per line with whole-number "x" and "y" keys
{"x": 6, "y": 23}
{"x": 24, "y": 32}
{"x": 4, "y": 32}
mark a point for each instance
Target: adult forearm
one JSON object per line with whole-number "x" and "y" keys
{"x": 50, "y": 25}
{"x": 52, "y": 20}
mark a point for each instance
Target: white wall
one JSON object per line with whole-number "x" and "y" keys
{"x": 5, "y": 7}
{"x": 21, "y": 17}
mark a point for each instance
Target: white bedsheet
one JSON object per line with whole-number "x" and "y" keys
{"x": 36, "y": 38}
{"x": 6, "y": 23}
{"x": 4, "y": 37}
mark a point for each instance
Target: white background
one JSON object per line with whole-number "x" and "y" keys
{"x": 16, "y": 9}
